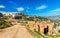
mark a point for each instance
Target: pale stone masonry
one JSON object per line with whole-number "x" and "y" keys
{"x": 31, "y": 25}
{"x": 45, "y": 27}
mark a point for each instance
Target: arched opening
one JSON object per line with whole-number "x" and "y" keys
{"x": 38, "y": 28}
{"x": 46, "y": 30}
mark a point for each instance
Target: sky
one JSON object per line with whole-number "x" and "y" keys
{"x": 31, "y": 7}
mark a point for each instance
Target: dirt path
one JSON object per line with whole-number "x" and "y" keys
{"x": 16, "y": 31}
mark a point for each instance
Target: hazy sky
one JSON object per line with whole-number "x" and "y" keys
{"x": 32, "y": 7}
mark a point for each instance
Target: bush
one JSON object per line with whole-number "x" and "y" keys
{"x": 4, "y": 24}
{"x": 59, "y": 31}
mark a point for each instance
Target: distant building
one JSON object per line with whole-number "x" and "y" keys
{"x": 15, "y": 15}
{"x": 18, "y": 16}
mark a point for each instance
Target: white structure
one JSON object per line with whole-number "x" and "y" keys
{"x": 9, "y": 13}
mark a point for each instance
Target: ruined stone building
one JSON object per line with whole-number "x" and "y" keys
{"x": 45, "y": 27}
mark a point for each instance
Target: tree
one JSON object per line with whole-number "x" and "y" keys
{"x": 1, "y": 15}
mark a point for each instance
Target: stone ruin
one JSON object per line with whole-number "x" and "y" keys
{"x": 45, "y": 27}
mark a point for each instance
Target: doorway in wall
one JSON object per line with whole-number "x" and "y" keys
{"x": 46, "y": 30}
{"x": 38, "y": 28}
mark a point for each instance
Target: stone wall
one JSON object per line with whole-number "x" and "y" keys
{"x": 45, "y": 27}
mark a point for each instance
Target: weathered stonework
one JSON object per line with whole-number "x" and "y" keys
{"x": 45, "y": 27}
{"x": 31, "y": 25}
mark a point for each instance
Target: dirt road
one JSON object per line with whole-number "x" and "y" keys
{"x": 16, "y": 31}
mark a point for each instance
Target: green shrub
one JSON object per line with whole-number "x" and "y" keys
{"x": 4, "y": 24}
{"x": 59, "y": 31}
